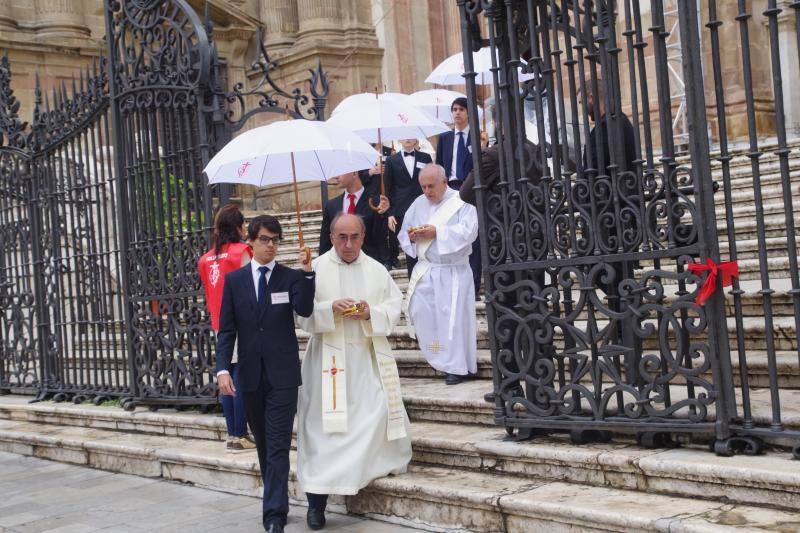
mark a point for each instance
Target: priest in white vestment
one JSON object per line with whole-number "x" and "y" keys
{"x": 352, "y": 425}
{"x": 439, "y": 229}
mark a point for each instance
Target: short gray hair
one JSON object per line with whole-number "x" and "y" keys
{"x": 438, "y": 169}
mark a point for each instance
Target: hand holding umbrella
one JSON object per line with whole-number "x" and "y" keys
{"x": 290, "y": 151}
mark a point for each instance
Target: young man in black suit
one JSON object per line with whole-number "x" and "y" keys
{"x": 401, "y": 177}
{"x": 454, "y": 153}
{"x": 258, "y": 305}
{"x": 371, "y": 179}
{"x": 355, "y": 200}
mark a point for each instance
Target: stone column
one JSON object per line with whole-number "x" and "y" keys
{"x": 319, "y": 19}
{"x": 787, "y": 44}
{"x": 7, "y": 20}
{"x": 732, "y": 73}
{"x": 280, "y": 23}
{"x": 60, "y": 17}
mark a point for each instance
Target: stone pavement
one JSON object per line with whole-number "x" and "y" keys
{"x": 42, "y": 496}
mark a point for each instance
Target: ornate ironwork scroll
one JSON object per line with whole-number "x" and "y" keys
{"x": 19, "y": 357}
{"x": 586, "y": 233}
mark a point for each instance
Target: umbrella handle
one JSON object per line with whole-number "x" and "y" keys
{"x": 380, "y": 167}
{"x": 307, "y": 255}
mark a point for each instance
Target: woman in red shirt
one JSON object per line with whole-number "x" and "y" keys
{"x": 227, "y": 254}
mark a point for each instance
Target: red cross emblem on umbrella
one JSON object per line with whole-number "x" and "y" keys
{"x": 242, "y": 170}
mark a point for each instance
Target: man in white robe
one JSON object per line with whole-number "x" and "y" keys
{"x": 352, "y": 425}
{"x": 439, "y": 229}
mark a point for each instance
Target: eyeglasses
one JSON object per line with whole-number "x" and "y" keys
{"x": 352, "y": 238}
{"x": 264, "y": 239}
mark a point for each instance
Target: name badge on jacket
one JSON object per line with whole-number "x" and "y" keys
{"x": 420, "y": 164}
{"x": 280, "y": 298}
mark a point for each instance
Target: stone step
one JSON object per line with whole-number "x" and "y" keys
{"x": 430, "y": 400}
{"x": 498, "y": 486}
{"x": 785, "y": 336}
{"x": 412, "y": 364}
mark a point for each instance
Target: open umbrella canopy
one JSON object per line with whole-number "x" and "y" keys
{"x": 270, "y": 155}
{"x": 437, "y": 102}
{"x": 451, "y": 70}
{"x": 354, "y": 101}
{"x": 376, "y": 120}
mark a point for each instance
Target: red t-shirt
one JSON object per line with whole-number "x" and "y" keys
{"x": 212, "y": 270}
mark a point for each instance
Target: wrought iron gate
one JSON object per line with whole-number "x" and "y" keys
{"x": 104, "y": 211}
{"x": 587, "y": 235}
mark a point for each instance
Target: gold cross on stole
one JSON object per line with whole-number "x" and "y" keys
{"x": 333, "y": 371}
{"x": 434, "y": 347}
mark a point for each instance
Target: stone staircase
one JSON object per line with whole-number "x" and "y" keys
{"x": 465, "y": 475}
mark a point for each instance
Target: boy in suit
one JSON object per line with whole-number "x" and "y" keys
{"x": 453, "y": 150}
{"x": 258, "y": 305}
{"x": 454, "y": 153}
{"x": 401, "y": 178}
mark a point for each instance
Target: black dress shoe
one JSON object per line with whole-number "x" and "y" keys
{"x": 273, "y": 528}
{"x": 453, "y": 379}
{"x": 515, "y": 391}
{"x": 315, "y": 518}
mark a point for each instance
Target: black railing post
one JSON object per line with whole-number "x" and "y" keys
{"x": 704, "y": 192}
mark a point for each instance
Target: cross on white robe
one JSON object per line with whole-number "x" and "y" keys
{"x": 343, "y": 462}
{"x": 442, "y": 307}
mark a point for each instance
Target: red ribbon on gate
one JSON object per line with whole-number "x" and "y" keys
{"x": 729, "y": 270}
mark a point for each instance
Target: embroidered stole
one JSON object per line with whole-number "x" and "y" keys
{"x": 334, "y": 365}
{"x": 439, "y": 218}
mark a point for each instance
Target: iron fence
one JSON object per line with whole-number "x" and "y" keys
{"x": 588, "y": 236}
{"x": 104, "y": 211}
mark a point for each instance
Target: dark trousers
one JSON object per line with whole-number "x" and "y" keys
{"x": 233, "y": 408}
{"x": 270, "y": 413}
{"x": 475, "y": 265}
{"x": 317, "y": 501}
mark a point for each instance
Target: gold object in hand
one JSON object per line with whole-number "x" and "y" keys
{"x": 355, "y": 309}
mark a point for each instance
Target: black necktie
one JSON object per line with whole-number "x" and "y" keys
{"x": 408, "y": 154}
{"x": 461, "y": 157}
{"x": 262, "y": 286}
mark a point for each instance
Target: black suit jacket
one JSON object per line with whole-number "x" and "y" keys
{"x": 267, "y": 340}
{"x": 374, "y": 237}
{"x": 444, "y": 153}
{"x": 402, "y": 189}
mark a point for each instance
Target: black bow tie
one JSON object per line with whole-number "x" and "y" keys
{"x": 408, "y": 154}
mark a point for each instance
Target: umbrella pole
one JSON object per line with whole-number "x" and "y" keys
{"x": 303, "y": 246}
{"x": 380, "y": 172}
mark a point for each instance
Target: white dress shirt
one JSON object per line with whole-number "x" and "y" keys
{"x": 346, "y": 199}
{"x": 254, "y": 266}
{"x": 409, "y": 161}
{"x": 453, "y": 173}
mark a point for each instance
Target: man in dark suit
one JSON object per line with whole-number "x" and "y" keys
{"x": 454, "y": 153}
{"x": 258, "y": 305}
{"x": 401, "y": 177}
{"x": 371, "y": 179}
{"x": 355, "y": 200}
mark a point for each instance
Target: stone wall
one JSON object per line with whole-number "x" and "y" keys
{"x": 57, "y": 38}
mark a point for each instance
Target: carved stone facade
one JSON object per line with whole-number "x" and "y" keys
{"x": 362, "y": 44}
{"x": 57, "y": 38}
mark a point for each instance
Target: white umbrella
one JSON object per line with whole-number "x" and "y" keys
{"x": 436, "y": 102}
{"x": 451, "y": 70}
{"x": 355, "y": 101}
{"x": 290, "y": 151}
{"x": 376, "y": 120}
